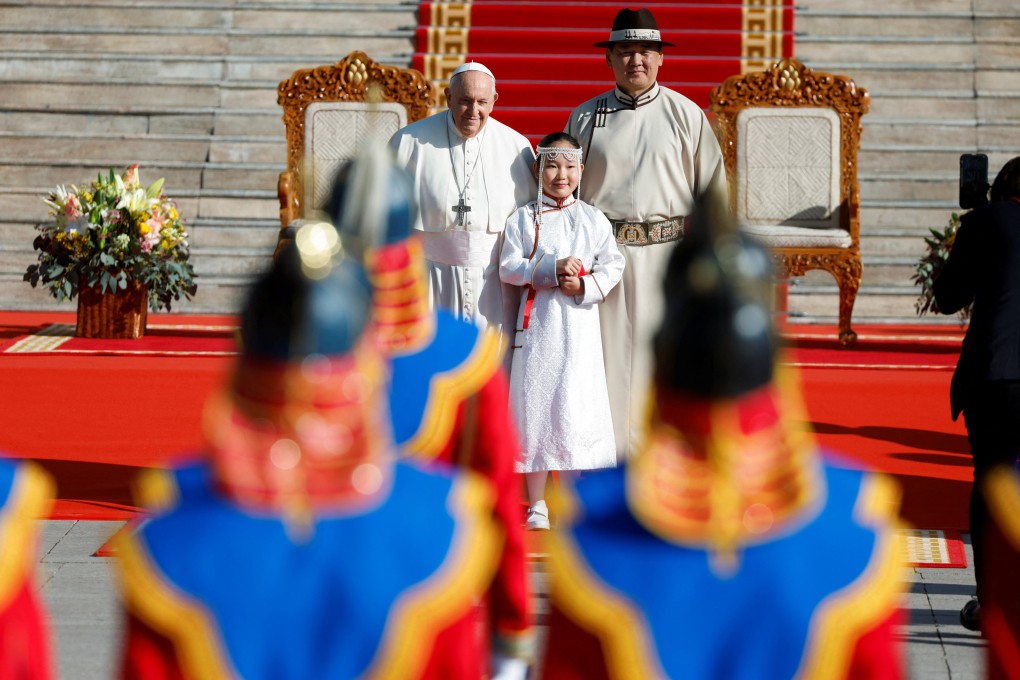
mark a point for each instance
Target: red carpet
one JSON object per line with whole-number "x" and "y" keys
{"x": 897, "y": 421}
{"x": 545, "y": 61}
{"x": 885, "y": 403}
{"x": 160, "y": 339}
{"x": 94, "y": 419}
{"x": 888, "y": 347}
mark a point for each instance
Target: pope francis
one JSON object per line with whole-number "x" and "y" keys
{"x": 470, "y": 173}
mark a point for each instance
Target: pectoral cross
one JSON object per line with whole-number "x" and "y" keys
{"x": 461, "y": 208}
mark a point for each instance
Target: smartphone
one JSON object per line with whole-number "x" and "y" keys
{"x": 973, "y": 180}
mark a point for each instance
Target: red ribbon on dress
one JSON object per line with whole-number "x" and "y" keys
{"x": 531, "y": 300}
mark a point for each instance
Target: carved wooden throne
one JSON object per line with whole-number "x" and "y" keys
{"x": 790, "y": 138}
{"x": 329, "y": 111}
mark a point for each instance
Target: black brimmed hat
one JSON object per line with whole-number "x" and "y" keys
{"x": 634, "y": 26}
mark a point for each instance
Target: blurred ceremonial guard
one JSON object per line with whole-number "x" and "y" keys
{"x": 26, "y": 492}
{"x": 448, "y": 393}
{"x": 304, "y": 548}
{"x": 1000, "y": 603}
{"x": 730, "y": 547}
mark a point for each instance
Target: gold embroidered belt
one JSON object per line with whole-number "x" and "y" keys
{"x": 648, "y": 233}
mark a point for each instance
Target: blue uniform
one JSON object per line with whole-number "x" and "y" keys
{"x": 797, "y": 602}
{"x": 367, "y": 592}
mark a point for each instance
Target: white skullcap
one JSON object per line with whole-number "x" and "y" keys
{"x": 472, "y": 66}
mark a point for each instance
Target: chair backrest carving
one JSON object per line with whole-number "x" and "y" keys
{"x": 790, "y": 137}
{"x": 329, "y": 111}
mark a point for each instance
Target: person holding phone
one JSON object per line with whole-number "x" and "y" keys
{"x": 984, "y": 269}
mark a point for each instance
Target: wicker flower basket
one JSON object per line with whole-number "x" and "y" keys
{"x": 113, "y": 315}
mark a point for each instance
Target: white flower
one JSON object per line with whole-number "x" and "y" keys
{"x": 80, "y": 225}
{"x": 137, "y": 201}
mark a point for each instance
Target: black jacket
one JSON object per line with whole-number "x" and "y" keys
{"x": 984, "y": 268}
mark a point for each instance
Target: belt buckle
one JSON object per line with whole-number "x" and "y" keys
{"x": 668, "y": 230}
{"x": 631, "y": 233}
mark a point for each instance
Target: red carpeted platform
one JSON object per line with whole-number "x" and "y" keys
{"x": 95, "y": 419}
{"x": 545, "y": 61}
{"x": 161, "y": 339}
{"x": 885, "y": 404}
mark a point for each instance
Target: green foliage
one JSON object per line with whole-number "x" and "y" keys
{"x": 109, "y": 232}
{"x": 927, "y": 269}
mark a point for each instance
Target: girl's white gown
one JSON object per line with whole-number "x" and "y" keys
{"x": 558, "y": 391}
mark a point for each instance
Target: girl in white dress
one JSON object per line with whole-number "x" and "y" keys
{"x": 563, "y": 257}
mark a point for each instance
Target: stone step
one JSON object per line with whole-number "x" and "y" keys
{"x": 221, "y": 295}
{"x": 886, "y": 49}
{"x": 835, "y": 25}
{"x": 197, "y": 42}
{"x": 905, "y": 247}
{"x": 48, "y": 66}
{"x": 879, "y": 271}
{"x": 928, "y": 106}
{"x": 228, "y": 18}
{"x": 807, "y": 8}
{"x": 955, "y": 134}
{"x": 893, "y": 186}
{"x": 186, "y": 68}
{"x": 115, "y": 149}
{"x": 252, "y": 235}
{"x": 879, "y": 78}
{"x": 996, "y": 57}
{"x": 208, "y": 262}
{"x": 212, "y": 176}
{"x": 220, "y": 204}
{"x": 255, "y": 122}
{"x": 111, "y": 121}
{"x": 919, "y": 163}
{"x": 105, "y": 96}
{"x": 904, "y": 215}
{"x": 823, "y": 307}
{"x": 883, "y": 132}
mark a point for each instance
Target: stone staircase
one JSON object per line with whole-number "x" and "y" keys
{"x": 944, "y": 81}
{"x": 185, "y": 88}
{"x": 188, "y": 89}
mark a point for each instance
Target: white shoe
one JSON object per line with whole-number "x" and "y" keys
{"x": 538, "y": 519}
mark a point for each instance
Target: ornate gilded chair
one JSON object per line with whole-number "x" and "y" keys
{"x": 328, "y": 112}
{"x": 790, "y": 138}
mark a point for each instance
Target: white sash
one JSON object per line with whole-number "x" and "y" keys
{"x": 460, "y": 248}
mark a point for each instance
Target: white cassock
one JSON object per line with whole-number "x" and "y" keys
{"x": 645, "y": 161}
{"x": 492, "y": 173}
{"x": 558, "y": 388}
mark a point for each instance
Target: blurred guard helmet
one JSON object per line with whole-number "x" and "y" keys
{"x": 378, "y": 217}
{"x": 716, "y": 338}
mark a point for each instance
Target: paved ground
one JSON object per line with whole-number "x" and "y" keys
{"x": 81, "y": 594}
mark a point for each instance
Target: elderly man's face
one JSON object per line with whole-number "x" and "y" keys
{"x": 471, "y": 97}
{"x": 635, "y": 65}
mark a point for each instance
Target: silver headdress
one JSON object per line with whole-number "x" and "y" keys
{"x": 552, "y": 153}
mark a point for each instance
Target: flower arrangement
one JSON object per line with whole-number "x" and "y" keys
{"x": 110, "y": 232}
{"x": 930, "y": 265}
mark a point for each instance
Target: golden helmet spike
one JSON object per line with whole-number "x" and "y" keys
{"x": 318, "y": 245}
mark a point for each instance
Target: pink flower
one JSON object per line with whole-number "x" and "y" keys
{"x": 131, "y": 176}
{"x": 72, "y": 208}
{"x": 149, "y": 241}
{"x": 155, "y": 223}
